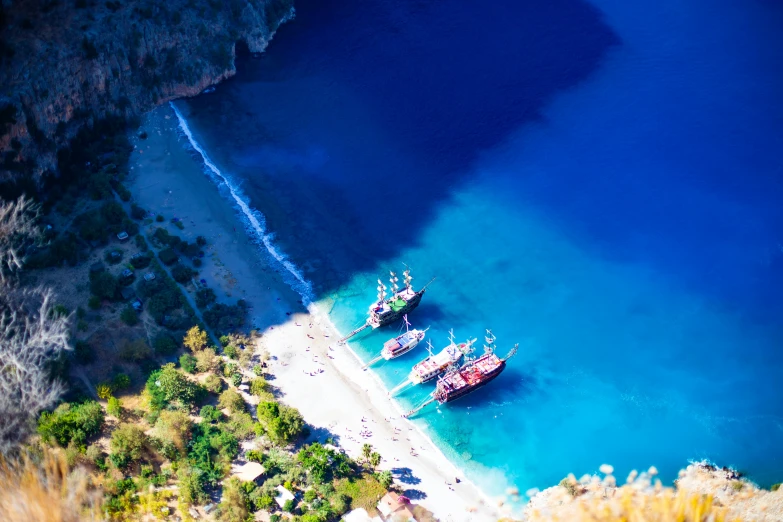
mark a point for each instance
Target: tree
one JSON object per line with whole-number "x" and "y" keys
{"x": 167, "y": 386}
{"x": 188, "y": 363}
{"x": 375, "y": 459}
{"x": 31, "y": 337}
{"x": 173, "y": 428}
{"x": 196, "y": 339}
{"x": 366, "y": 452}
{"x": 114, "y": 407}
{"x": 234, "y": 504}
{"x": 71, "y": 422}
{"x": 103, "y": 285}
{"x": 127, "y": 443}
{"x": 207, "y": 361}
{"x": 258, "y": 386}
{"x": 213, "y": 383}
{"x": 385, "y": 478}
{"x": 17, "y": 229}
{"x": 282, "y": 423}
{"x": 232, "y": 400}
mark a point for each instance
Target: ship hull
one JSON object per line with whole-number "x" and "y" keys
{"x": 377, "y": 321}
{"x": 458, "y": 394}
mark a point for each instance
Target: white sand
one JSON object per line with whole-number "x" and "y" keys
{"x": 169, "y": 180}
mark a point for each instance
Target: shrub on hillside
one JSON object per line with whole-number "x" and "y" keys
{"x": 167, "y": 387}
{"x": 129, "y": 316}
{"x": 167, "y": 256}
{"x": 258, "y": 386}
{"x": 188, "y": 363}
{"x": 173, "y": 429}
{"x": 114, "y": 407}
{"x": 195, "y": 339}
{"x": 210, "y": 414}
{"x": 181, "y": 273}
{"x": 213, "y": 384}
{"x": 83, "y": 352}
{"x": 71, "y": 422}
{"x": 135, "y": 351}
{"x": 164, "y": 344}
{"x": 283, "y": 424}
{"x": 231, "y": 400}
{"x": 103, "y": 285}
{"x": 207, "y": 361}
{"x": 137, "y": 212}
{"x": 205, "y": 297}
{"x": 127, "y": 443}
{"x": 231, "y": 351}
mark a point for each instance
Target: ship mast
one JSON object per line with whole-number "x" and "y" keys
{"x": 407, "y": 324}
{"x": 451, "y": 336}
{"x": 393, "y": 279}
{"x": 429, "y": 347}
{"x": 407, "y": 278}
{"x": 381, "y": 291}
{"x": 489, "y": 347}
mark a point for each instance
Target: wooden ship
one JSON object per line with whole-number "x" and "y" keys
{"x": 474, "y": 374}
{"x": 434, "y": 365}
{"x": 437, "y": 363}
{"x": 386, "y": 311}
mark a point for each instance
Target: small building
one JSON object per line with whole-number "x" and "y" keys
{"x": 149, "y": 276}
{"x": 395, "y": 508}
{"x": 283, "y": 496}
{"x": 249, "y": 472}
{"x": 122, "y": 236}
{"x": 137, "y": 305}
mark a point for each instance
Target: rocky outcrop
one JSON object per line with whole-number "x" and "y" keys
{"x": 66, "y": 63}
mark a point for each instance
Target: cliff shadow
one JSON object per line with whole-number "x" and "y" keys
{"x": 363, "y": 116}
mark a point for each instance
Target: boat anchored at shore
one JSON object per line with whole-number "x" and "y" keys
{"x": 386, "y": 311}
{"x": 474, "y": 374}
{"x": 436, "y": 364}
{"x": 401, "y": 344}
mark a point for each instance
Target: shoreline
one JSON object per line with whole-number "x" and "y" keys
{"x": 168, "y": 178}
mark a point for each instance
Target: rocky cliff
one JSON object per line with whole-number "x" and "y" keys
{"x": 66, "y": 63}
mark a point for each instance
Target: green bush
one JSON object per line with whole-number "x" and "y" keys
{"x": 83, "y": 352}
{"x": 181, "y": 273}
{"x": 120, "y": 382}
{"x": 129, "y": 316}
{"x": 231, "y": 400}
{"x": 258, "y": 370}
{"x": 210, "y": 414}
{"x": 204, "y": 298}
{"x": 231, "y": 351}
{"x": 141, "y": 243}
{"x": 289, "y": 506}
{"x": 168, "y": 256}
{"x": 103, "y": 285}
{"x": 775, "y": 487}
{"x": 236, "y": 379}
{"x": 255, "y": 456}
{"x": 159, "y": 218}
{"x": 258, "y": 386}
{"x": 164, "y": 344}
{"x": 201, "y": 241}
{"x": 94, "y": 302}
{"x": 283, "y": 424}
{"x": 135, "y": 351}
{"x": 114, "y": 407}
{"x": 169, "y": 387}
{"x": 213, "y": 384}
{"x": 137, "y": 212}
{"x": 241, "y": 425}
{"x": 211, "y": 451}
{"x": 385, "y": 478}
{"x": 188, "y": 363}
{"x": 225, "y": 318}
{"x": 127, "y": 443}
{"x": 71, "y": 422}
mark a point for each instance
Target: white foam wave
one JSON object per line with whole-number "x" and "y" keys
{"x": 253, "y": 219}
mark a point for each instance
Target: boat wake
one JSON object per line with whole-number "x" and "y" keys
{"x": 253, "y": 219}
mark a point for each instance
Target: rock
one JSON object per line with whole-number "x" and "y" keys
{"x": 79, "y": 65}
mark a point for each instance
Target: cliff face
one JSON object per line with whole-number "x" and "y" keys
{"x": 65, "y": 63}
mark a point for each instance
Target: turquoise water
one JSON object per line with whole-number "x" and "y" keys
{"x": 599, "y": 182}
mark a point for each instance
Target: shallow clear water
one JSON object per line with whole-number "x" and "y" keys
{"x": 599, "y": 182}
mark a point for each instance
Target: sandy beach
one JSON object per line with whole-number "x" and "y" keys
{"x": 323, "y": 380}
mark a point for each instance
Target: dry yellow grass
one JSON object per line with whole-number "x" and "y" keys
{"x": 703, "y": 494}
{"x": 45, "y": 490}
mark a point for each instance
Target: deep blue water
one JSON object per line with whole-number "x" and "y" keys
{"x": 601, "y": 182}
